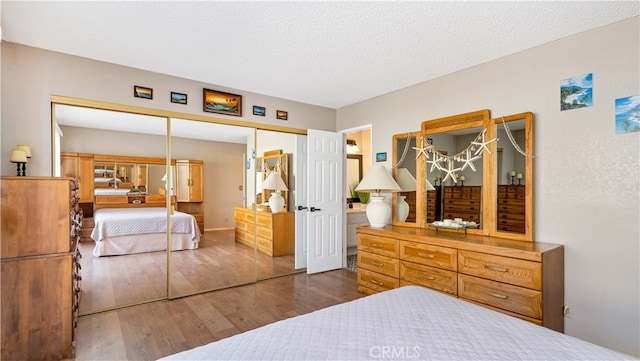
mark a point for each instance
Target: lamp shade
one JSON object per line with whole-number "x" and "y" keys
{"x": 18, "y": 156}
{"x": 405, "y": 180}
{"x": 430, "y": 186}
{"x": 274, "y": 181}
{"x": 378, "y": 180}
{"x": 25, "y": 148}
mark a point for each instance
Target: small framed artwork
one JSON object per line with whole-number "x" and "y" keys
{"x": 142, "y": 92}
{"x": 178, "y": 98}
{"x": 381, "y": 157}
{"x": 214, "y": 101}
{"x": 257, "y": 110}
{"x": 281, "y": 114}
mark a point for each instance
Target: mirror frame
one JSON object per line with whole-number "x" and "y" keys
{"x": 420, "y": 170}
{"x": 528, "y": 179}
{"x": 476, "y": 119}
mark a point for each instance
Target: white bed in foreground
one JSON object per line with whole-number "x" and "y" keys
{"x": 119, "y": 231}
{"x": 410, "y": 322}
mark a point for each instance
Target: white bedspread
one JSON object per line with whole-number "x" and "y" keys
{"x": 406, "y": 323}
{"x": 113, "y": 222}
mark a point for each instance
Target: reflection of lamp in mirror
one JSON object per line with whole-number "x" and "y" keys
{"x": 274, "y": 182}
{"x": 407, "y": 183}
{"x": 352, "y": 147}
{"x": 378, "y": 180}
{"x": 20, "y": 158}
{"x": 519, "y": 178}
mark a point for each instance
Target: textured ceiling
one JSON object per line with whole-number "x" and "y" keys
{"x": 330, "y": 54}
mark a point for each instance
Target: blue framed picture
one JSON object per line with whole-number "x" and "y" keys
{"x": 260, "y": 111}
{"x": 179, "y": 98}
{"x": 381, "y": 157}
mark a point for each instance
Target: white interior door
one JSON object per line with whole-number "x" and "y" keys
{"x": 326, "y": 202}
{"x": 302, "y": 200}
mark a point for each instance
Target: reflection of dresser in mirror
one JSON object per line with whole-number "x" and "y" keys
{"x": 511, "y": 208}
{"x": 272, "y": 233}
{"x": 462, "y": 202}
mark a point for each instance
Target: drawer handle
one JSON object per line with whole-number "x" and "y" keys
{"x": 378, "y": 264}
{"x": 377, "y": 282}
{"x": 496, "y": 295}
{"x": 377, "y": 245}
{"x": 497, "y": 269}
{"x": 427, "y": 255}
{"x": 427, "y": 276}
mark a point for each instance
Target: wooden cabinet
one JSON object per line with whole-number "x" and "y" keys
{"x": 522, "y": 279}
{"x": 433, "y": 204}
{"x": 462, "y": 202}
{"x": 79, "y": 166}
{"x": 41, "y": 226}
{"x": 511, "y": 208}
{"x": 190, "y": 189}
{"x": 274, "y": 232}
{"x": 189, "y": 176}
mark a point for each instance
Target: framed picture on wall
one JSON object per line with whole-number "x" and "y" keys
{"x": 257, "y": 110}
{"x": 178, "y": 98}
{"x": 381, "y": 157}
{"x": 222, "y": 103}
{"x": 281, "y": 114}
{"x": 142, "y": 92}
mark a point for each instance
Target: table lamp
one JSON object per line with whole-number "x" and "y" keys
{"x": 378, "y": 180}
{"x": 274, "y": 182}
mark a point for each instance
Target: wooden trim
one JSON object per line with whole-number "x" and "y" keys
{"x": 64, "y": 100}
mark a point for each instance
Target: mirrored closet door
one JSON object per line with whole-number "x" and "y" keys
{"x": 121, "y": 159}
{"x": 212, "y": 241}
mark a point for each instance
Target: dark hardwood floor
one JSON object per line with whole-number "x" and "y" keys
{"x": 158, "y": 329}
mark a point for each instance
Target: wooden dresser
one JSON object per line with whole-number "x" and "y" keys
{"x": 462, "y": 202}
{"x": 275, "y": 231}
{"x": 41, "y": 227}
{"x": 433, "y": 204}
{"x": 511, "y": 208}
{"x": 522, "y": 279}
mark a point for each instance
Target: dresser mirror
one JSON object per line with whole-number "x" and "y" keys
{"x": 407, "y": 169}
{"x": 272, "y": 161}
{"x": 460, "y": 174}
{"x": 514, "y": 176}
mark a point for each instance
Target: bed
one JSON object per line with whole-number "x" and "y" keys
{"x": 410, "y": 322}
{"x": 120, "y": 231}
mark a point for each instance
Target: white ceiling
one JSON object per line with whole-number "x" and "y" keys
{"x": 330, "y": 54}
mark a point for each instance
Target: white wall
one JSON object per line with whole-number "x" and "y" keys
{"x": 30, "y": 76}
{"x": 587, "y": 193}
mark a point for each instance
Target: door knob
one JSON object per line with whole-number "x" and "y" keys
{"x": 300, "y": 208}
{"x": 313, "y": 209}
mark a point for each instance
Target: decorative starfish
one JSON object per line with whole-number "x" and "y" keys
{"x": 434, "y": 162}
{"x": 469, "y": 160}
{"x": 483, "y": 144}
{"x": 450, "y": 172}
{"x": 423, "y": 150}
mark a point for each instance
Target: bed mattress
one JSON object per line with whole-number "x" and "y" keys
{"x": 410, "y": 322}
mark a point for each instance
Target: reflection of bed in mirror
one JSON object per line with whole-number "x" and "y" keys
{"x": 120, "y": 231}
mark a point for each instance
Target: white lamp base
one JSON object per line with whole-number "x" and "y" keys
{"x": 276, "y": 202}
{"x": 378, "y": 212}
{"x": 402, "y": 210}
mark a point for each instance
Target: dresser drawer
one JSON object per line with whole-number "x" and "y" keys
{"x": 511, "y": 298}
{"x": 265, "y": 232}
{"x": 502, "y": 269}
{"x": 438, "y": 279}
{"x": 378, "y": 245}
{"x": 111, "y": 199}
{"x": 380, "y": 264}
{"x": 376, "y": 281}
{"x": 435, "y": 256}
{"x": 265, "y": 246}
{"x": 265, "y": 221}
